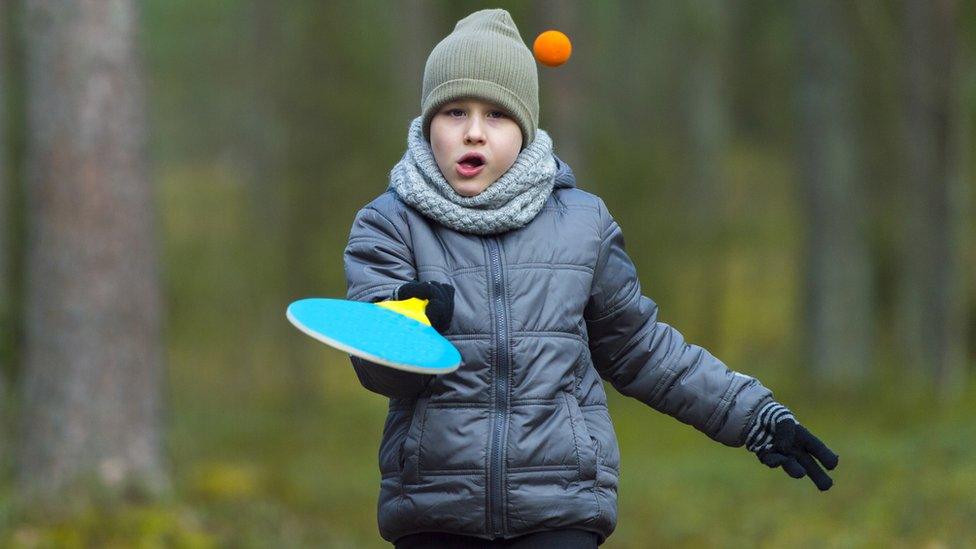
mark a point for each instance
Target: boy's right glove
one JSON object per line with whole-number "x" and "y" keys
{"x": 440, "y": 301}
{"x": 778, "y": 439}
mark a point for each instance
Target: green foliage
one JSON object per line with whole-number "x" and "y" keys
{"x": 116, "y": 525}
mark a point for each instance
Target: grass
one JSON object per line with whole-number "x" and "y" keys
{"x": 257, "y": 469}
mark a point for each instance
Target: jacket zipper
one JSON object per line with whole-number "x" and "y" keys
{"x": 496, "y": 510}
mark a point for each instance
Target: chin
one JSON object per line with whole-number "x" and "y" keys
{"x": 468, "y": 190}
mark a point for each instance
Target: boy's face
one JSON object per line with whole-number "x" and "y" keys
{"x": 474, "y": 143}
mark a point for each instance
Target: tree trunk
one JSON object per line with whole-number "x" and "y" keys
{"x": 260, "y": 142}
{"x": 930, "y": 304}
{"x": 93, "y": 364}
{"x": 5, "y": 221}
{"x": 838, "y": 325}
{"x": 415, "y": 25}
{"x": 704, "y": 108}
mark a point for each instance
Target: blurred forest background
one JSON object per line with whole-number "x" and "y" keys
{"x": 794, "y": 179}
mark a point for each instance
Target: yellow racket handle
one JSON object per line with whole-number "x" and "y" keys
{"x": 413, "y": 307}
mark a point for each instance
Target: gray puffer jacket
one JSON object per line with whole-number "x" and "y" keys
{"x": 519, "y": 438}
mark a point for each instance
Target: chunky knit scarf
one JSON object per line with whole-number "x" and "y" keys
{"x": 508, "y": 203}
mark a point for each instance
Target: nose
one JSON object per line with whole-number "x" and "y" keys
{"x": 474, "y": 132}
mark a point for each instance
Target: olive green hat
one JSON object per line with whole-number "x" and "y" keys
{"x": 484, "y": 58}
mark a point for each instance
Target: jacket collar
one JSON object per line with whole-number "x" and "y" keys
{"x": 564, "y": 175}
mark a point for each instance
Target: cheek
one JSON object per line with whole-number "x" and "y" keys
{"x": 438, "y": 151}
{"x": 438, "y": 143}
{"x": 441, "y": 153}
{"x": 509, "y": 153}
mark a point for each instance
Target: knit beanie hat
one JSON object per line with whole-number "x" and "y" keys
{"x": 484, "y": 58}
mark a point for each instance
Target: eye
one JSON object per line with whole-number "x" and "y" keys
{"x": 498, "y": 114}
{"x": 454, "y": 112}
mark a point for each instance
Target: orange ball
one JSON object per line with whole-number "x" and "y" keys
{"x": 552, "y": 48}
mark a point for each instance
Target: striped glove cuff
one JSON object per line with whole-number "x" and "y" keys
{"x": 760, "y": 436}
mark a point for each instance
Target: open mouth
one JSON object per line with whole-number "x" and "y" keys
{"x": 470, "y": 165}
{"x": 472, "y": 160}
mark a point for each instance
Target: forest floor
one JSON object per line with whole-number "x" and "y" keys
{"x": 254, "y": 468}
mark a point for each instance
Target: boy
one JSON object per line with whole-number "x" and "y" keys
{"x": 528, "y": 277}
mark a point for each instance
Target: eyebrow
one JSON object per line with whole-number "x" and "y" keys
{"x": 491, "y": 107}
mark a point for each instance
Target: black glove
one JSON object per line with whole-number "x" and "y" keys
{"x": 778, "y": 439}
{"x": 440, "y": 301}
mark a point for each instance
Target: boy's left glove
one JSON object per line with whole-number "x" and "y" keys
{"x": 778, "y": 439}
{"x": 440, "y": 304}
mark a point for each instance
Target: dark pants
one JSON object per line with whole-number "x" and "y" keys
{"x": 554, "y": 539}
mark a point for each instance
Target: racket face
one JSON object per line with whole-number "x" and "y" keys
{"x": 376, "y": 334}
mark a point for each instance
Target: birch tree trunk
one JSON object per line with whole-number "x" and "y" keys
{"x": 93, "y": 366}
{"x": 838, "y": 310}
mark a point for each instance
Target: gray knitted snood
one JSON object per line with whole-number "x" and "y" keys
{"x": 508, "y": 203}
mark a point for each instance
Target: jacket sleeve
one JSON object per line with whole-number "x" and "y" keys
{"x": 651, "y": 361}
{"x": 377, "y": 260}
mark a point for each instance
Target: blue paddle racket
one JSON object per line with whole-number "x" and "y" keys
{"x": 396, "y": 334}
